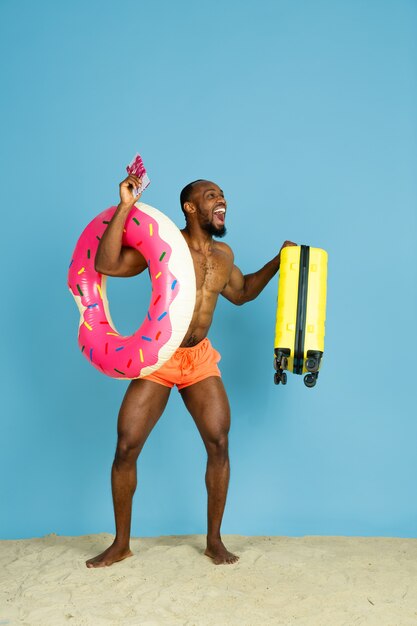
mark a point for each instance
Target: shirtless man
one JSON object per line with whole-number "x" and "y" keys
{"x": 193, "y": 367}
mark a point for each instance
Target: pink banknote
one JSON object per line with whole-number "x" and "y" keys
{"x": 137, "y": 168}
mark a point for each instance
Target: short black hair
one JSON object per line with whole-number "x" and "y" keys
{"x": 185, "y": 194}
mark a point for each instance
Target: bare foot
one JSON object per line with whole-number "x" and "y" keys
{"x": 108, "y": 557}
{"x": 218, "y": 552}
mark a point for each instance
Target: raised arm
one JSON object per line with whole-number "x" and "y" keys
{"x": 112, "y": 258}
{"x": 241, "y": 289}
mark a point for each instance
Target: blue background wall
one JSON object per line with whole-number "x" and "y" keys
{"x": 305, "y": 114}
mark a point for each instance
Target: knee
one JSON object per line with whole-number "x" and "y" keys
{"x": 127, "y": 451}
{"x": 218, "y": 447}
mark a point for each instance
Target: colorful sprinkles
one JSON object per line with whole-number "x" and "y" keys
{"x": 91, "y": 289}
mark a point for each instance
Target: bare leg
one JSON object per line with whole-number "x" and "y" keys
{"x": 141, "y": 408}
{"x": 208, "y": 404}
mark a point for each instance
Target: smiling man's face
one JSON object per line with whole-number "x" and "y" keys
{"x": 211, "y": 207}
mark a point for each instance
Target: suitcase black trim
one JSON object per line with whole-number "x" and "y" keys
{"x": 300, "y": 324}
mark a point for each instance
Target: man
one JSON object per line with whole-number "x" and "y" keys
{"x": 193, "y": 367}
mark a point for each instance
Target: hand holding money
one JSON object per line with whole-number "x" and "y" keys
{"x": 137, "y": 169}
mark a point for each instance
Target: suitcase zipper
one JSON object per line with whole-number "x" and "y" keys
{"x": 300, "y": 325}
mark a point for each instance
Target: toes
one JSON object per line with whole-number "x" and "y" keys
{"x": 226, "y": 560}
{"x": 93, "y": 564}
{"x": 222, "y": 558}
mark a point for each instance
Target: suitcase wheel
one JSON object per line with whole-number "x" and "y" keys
{"x": 310, "y": 380}
{"x": 280, "y": 377}
{"x": 311, "y": 364}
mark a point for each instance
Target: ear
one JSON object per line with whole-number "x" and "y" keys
{"x": 189, "y": 208}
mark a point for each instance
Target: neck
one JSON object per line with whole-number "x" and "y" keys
{"x": 196, "y": 237}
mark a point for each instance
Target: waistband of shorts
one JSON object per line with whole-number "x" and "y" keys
{"x": 193, "y": 349}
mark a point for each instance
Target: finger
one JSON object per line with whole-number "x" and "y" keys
{"x": 135, "y": 178}
{"x": 130, "y": 180}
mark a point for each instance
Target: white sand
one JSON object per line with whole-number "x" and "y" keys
{"x": 325, "y": 581}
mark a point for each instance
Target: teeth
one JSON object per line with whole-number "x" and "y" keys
{"x": 220, "y": 211}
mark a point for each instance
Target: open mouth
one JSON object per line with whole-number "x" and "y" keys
{"x": 219, "y": 214}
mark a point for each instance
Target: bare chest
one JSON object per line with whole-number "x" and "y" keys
{"x": 212, "y": 270}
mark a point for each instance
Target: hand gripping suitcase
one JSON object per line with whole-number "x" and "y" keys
{"x": 301, "y": 313}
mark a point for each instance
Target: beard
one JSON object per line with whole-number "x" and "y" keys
{"x": 213, "y": 231}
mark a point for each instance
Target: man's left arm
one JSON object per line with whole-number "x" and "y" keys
{"x": 241, "y": 289}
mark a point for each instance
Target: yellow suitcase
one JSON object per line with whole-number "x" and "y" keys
{"x": 301, "y": 313}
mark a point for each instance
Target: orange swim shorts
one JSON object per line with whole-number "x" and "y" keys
{"x": 188, "y": 366}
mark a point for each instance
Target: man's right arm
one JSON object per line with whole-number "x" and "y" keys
{"x": 112, "y": 258}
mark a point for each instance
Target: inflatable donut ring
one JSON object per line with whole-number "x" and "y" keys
{"x": 172, "y": 303}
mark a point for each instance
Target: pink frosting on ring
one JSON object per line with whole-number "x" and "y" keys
{"x": 107, "y": 350}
